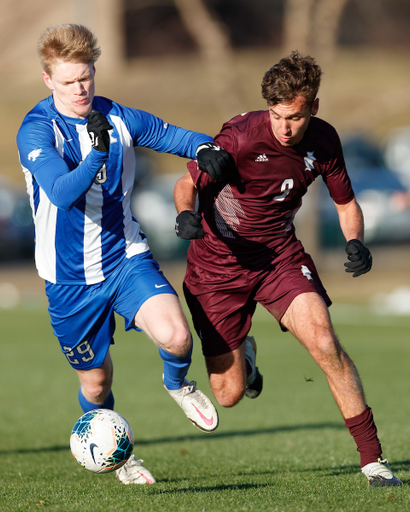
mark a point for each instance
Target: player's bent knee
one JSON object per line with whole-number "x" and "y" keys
{"x": 177, "y": 341}
{"x": 96, "y": 393}
{"x": 325, "y": 345}
{"x": 229, "y": 400}
{"x": 228, "y": 396}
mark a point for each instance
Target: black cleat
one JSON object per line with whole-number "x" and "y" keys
{"x": 254, "y": 381}
{"x": 255, "y": 389}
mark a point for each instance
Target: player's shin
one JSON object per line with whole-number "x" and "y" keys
{"x": 175, "y": 368}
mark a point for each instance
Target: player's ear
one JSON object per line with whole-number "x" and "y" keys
{"x": 47, "y": 80}
{"x": 315, "y": 107}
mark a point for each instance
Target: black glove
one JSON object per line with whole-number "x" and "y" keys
{"x": 360, "y": 259}
{"x": 188, "y": 225}
{"x": 97, "y": 128}
{"x": 215, "y": 161}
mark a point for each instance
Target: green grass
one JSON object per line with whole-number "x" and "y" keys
{"x": 286, "y": 451}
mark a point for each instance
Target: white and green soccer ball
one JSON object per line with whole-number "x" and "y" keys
{"x": 102, "y": 441}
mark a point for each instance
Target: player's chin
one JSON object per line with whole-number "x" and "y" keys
{"x": 82, "y": 110}
{"x": 287, "y": 143}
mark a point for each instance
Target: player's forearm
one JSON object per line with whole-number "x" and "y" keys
{"x": 351, "y": 220}
{"x": 152, "y": 132}
{"x": 65, "y": 188}
{"x": 185, "y": 194}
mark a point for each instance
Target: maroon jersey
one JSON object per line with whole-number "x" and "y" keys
{"x": 248, "y": 222}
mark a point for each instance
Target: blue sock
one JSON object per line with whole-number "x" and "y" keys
{"x": 87, "y": 406}
{"x": 175, "y": 368}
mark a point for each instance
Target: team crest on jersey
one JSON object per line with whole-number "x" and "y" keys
{"x": 309, "y": 159}
{"x": 306, "y": 272}
{"x": 34, "y": 154}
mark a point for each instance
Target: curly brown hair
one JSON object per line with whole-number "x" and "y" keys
{"x": 68, "y": 43}
{"x": 294, "y": 75}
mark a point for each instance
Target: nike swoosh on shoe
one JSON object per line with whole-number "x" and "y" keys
{"x": 206, "y": 420}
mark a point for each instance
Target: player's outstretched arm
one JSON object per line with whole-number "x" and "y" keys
{"x": 188, "y": 222}
{"x": 352, "y": 225}
{"x": 215, "y": 161}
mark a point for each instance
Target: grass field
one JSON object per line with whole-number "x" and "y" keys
{"x": 286, "y": 451}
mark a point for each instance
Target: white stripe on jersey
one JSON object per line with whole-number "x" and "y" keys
{"x": 46, "y": 215}
{"x": 93, "y": 271}
{"x": 45, "y": 251}
{"x": 134, "y": 243}
{"x": 45, "y": 221}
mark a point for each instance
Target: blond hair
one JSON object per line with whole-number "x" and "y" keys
{"x": 67, "y": 43}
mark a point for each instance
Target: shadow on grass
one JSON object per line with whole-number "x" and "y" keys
{"x": 199, "y": 437}
{"x": 321, "y": 472}
{"x": 400, "y": 465}
{"x": 195, "y": 489}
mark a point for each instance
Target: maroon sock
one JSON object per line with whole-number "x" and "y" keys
{"x": 364, "y": 432}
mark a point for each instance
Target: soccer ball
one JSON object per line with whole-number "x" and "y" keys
{"x": 102, "y": 441}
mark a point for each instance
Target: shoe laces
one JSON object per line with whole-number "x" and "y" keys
{"x": 132, "y": 462}
{"x": 190, "y": 388}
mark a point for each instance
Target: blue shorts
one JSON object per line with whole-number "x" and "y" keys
{"x": 82, "y": 316}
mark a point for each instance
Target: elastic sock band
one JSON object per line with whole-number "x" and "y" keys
{"x": 175, "y": 368}
{"x": 87, "y": 406}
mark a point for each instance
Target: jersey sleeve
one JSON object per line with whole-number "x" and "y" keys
{"x": 336, "y": 177}
{"x": 38, "y": 154}
{"x": 152, "y": 132}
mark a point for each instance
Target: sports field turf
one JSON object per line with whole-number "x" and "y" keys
{"x": 288, "y": 450}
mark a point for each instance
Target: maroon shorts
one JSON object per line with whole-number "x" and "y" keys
{"x": 222, "y": 304}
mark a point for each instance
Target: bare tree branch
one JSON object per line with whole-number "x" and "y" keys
{"x": 325, "y": 28}
{"x": 311, "y": 26}
{"x": 214, "y": 44}
{"x": 297, "y": 25}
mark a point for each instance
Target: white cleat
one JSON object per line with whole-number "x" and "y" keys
{"x": 254, "y": 381}
{"x": 197, "y": 406}
{"x": 133, "y": 472}
{"x": 379, "y": 474}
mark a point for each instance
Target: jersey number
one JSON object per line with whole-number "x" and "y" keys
{"x": 82, "y": 348}
{"x": 286, "y": 187}
{"x": 101, "y": 175}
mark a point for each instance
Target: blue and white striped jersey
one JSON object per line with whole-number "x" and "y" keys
{"x": 80, "y": 197}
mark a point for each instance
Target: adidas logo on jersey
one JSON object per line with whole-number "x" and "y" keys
{"x": 262, "y": 158}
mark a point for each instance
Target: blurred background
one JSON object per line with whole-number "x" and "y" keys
{"x": 198, "y": 63}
